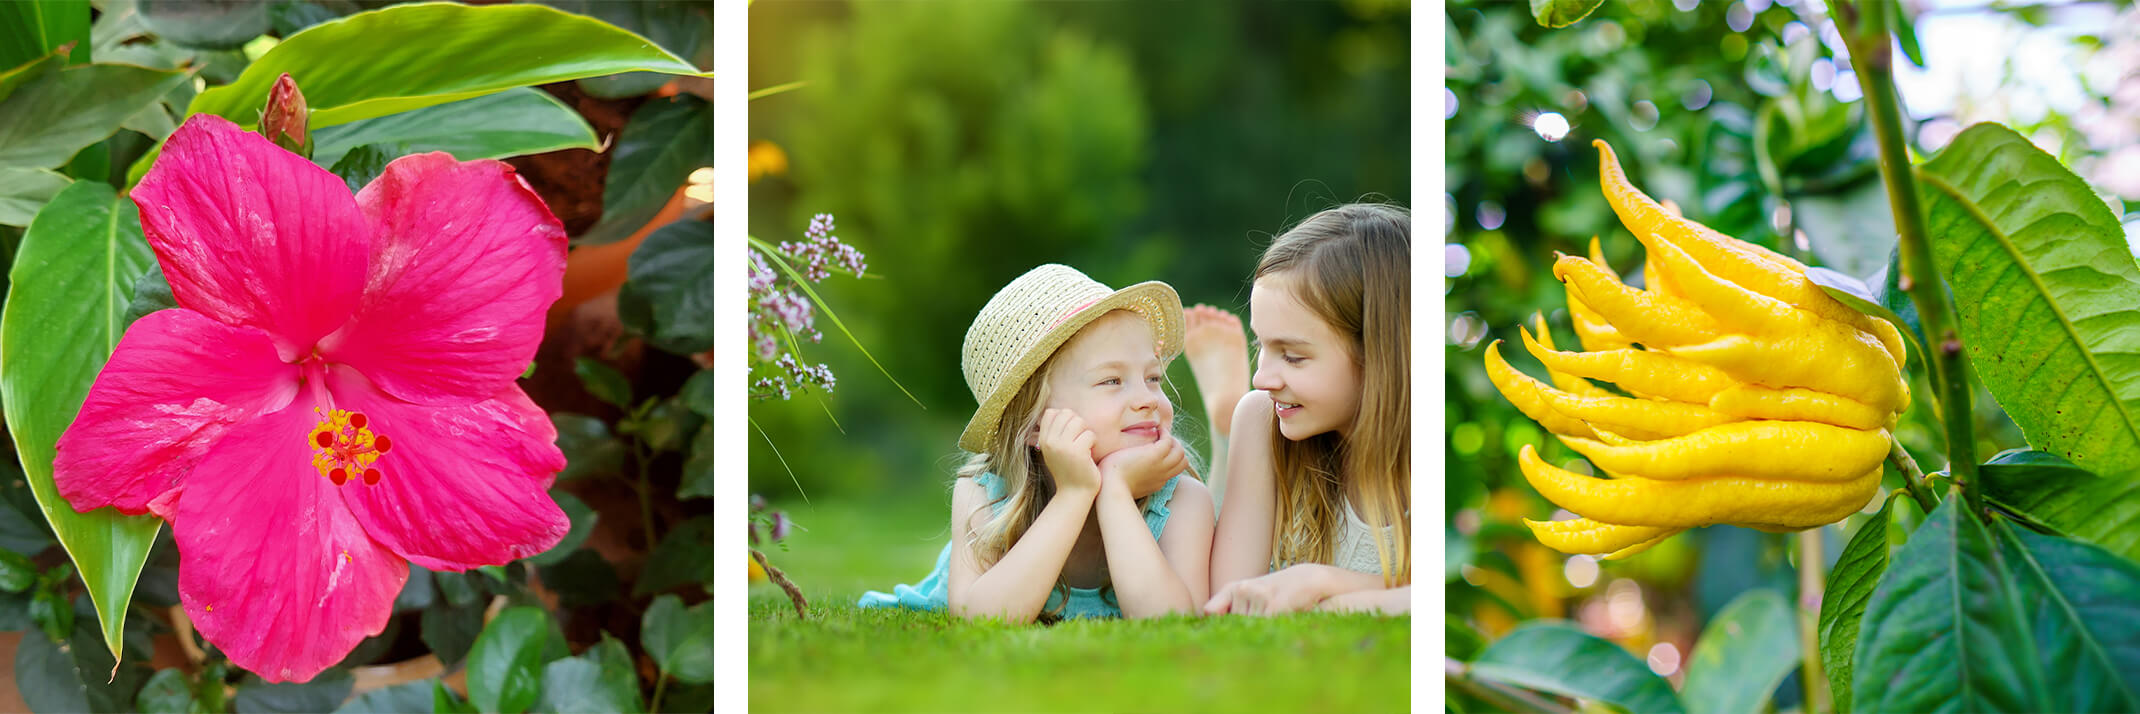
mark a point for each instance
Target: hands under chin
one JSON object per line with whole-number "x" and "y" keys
{"x": 1289, "y": 590}
{"x": 1142, "y": 470}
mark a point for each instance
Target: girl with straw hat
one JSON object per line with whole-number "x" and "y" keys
{"x": 1077, "y": 499}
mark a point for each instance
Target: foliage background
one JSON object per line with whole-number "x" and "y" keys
{"x": 1745, "y": 114}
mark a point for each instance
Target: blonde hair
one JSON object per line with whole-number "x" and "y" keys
{"x": 1351, "y": 267}
{"x": 1027, "y": 486}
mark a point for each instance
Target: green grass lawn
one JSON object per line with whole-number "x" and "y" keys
{"x": 847, "y": 659}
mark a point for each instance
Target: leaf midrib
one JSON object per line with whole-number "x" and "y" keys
{"x": 2132, "y": 427}
{"x": 2058, "y": 597}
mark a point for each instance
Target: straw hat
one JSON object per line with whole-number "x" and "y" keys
{"x": 1028, "y": 319}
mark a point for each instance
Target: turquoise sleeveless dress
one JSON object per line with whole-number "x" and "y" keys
{"x": 934, "y": 590}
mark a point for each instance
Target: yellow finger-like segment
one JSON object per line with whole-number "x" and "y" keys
{"x": 1733, "y": 305}
{"x": 1693, "y": 503}
{"x": 1591, "y": 329}
{"x": 1753, "y": 401}
{"x": 1782, "y": 450}
{"x": 1648, "y": 373}
{"x": 1751, "y": 266}
{"x": 1529, "y": 395}
{"x": 1649, "y": 318}
{"x": 1569, "y": 383}
{"x": 1831, "y": 358}
{"x": 1637, "y": 419}
{"x": 1642, "y": 546}
{"x": 1582, "y": 535}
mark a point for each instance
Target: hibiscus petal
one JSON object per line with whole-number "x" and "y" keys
{"x": 250, "y": 234}
{"x": 176, "y": 383}
{"x": 467, "y": 259}
{"x": 273, "y": 568}
{"x": 461, "y": 486}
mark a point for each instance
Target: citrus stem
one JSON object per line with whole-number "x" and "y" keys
{"x": 1872, "y": 54}
{"x": 1812, "y": 573}
{"x": 1913, "y": 476}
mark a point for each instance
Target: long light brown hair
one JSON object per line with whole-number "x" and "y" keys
{"x": 1351, "y": 267}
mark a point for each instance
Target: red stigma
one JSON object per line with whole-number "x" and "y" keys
{"x": 357, "y": 420}
{"x": 338, "y": 476}
{"x": 383, "y": 444}
{"x": 371, "y": 476}
{"x": 324, "y": 439}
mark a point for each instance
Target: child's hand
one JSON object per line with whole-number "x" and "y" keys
{"x": 1066, "y": 446}
{"x": 1288, "y": 590}
{"x": 1142, "y": 470}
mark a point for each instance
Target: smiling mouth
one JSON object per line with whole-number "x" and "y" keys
{"x": 1285, "y": 408}
{"x": 1146, "y": 430}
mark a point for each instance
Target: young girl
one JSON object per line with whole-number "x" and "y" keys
{"x": 1074, "y": 501}
{"x": 1319, "y": 482}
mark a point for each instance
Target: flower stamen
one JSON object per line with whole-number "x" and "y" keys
{"x": 344, "y": 445}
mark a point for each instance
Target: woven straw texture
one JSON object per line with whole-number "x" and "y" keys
{"x": 1028, "y": 319}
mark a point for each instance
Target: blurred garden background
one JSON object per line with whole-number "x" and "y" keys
{"x": 1747, "y": 114}
{"x": 958, "y": 144}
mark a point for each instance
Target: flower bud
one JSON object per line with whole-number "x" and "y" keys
{"x": 284, "y": 119}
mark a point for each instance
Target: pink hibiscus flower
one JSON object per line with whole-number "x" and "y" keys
{"x": 334, "y": 395}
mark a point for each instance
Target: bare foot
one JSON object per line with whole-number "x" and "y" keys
{"x": 1217, "y": 349}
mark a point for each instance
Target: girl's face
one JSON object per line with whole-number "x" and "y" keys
{"x": 1306, "y": 366}
{"x": 1109, "y": 376}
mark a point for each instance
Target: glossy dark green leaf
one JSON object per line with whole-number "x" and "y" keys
{"x": 46, "y": 676}
{"x": 1552, "y": 656}
{"x": 682, "y": 28}
{"x": 68, "y": 292}
{"x": 2054, "y": 492}
{"x": 1562, "y": 13}
{"x": 2047, "y": 299}
{"x": 514, "y": 122}
{"x": 665, "y": 140}
{"x": 583, "y": 520}
{"x": 406, "y": 698}
{"x": 418, "y": 592}
{"x": 443, "y": 700}
{"x": 449, "y": 630}
{"x": 151, "y": 293}
{"x": 289, "y": 17}
{"x": 29, "y": 29}
{"x": 47, "y": 120}
{"x": 599, "y": 680}
{"x": 505, "y": 666}
{"x": 685, "y": 555}
{"x": 1743, "y": 654}
{"x": 679, "y": 639}
{"x": 17, "y": 573}
{"x": 588, "y": 446}
{"x": 205, "y": 24}
{"x": 604, "y": 382}
{"x": 23, "y": 191}
{"x": 1850, "y": 584}
{"x": 672, "y": 274}
{"x": 423, "y": 54}
{"x": 31, "y": 69}
{"x": 359, "y": 165}
{"x": 581, "y": 578}
{"x": 700, "y": 477}
{"x": 2082, "y": 607}
{"x": 166, "y": 691}
{"x": 322, "y": 693}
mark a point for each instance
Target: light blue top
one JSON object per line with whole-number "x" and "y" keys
{"x": 934, "y": 590}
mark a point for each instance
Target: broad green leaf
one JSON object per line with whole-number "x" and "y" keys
{"x": 1554, "y": 656}
{"x": 505, "y": 666}
{"x": 29, "y": 29}
{"x": 23, "y": 191}
{"x": 1905, "y": 31}
{"x": 2082, "y": 606}
{"x": 2066, "y": 497}
{"x": 46, "y": 676}
{"x": 665, "y": 140}
{"x": 358, "y": 166}
{"x": 1743, "y": 654}
{"x": 1850, "y": 585}
{"x": 319, "y": 694}
{"x": 601, "y": 679}
{"x": 604, "y": 382}
{"x": 671, "y": 283}
{"x": 17, "y": 573}
{"x": 423, "y": 54}
{"x": 166, "y": 691}
{"x": 589, "y": 448}
{"x": 2047, "y": 300}
{"x": 406, "y": 698}
{"x": 50, "y": 118}
{"x": 450, "y": 628}
{"x": 36, "y": 67}
{"x": 679, "y": 27}
{"x": 514, "y": 122}
{"x": 290, "y": 17}
{"x": 685, "y": 555}
{"x": 1945, "y": 629}
{"x": 66, "y": 300}
{"x": 582, "y": 578}
{"x": 679, "y": 639}
{"x": 583, "y": 519}
{"x": 700, "y": 471}
{"x": 218, "y": 25}
{"x": 1863, "y": 298}
{"x": 1562, "y": 13}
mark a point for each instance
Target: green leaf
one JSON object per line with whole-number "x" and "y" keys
{"x": 581, "y": 578}
{"x": 167, "y": 691}
{"x": 1988, "y": 618}
{"x": 23, "y": 191}
{"x": 505, "y": 667}
{"x": 1905, "y": 32}
{"x": 29, "y": 29}
{"x": 599, "y": 680}
{"x": 1850, "y": 584}
{"x": 680, "y": 640}
{"x": 1562, "y": 13}
{"x": 322, "y": 693}
{"x": 1743, "y": 654}
{"x": 663, "y": 142}
{"x": 450, "y": 629}
{"x": 69, "y": 288}
{"x": 685, "y": 555}
{"x": 2066, "y": 497}
{"x": 151, "y": 293}
{"x": 1861, "y": 297}
{"x": 431, "y": 53}
{"x": 213, "y": 24}
{"x": 17, "y": 573}
{"x": 698, "y": 392}
{"x": 514, "y": 122}
{"x": 604, "y": 382}
{"x": 671, "y": 274}
{"x": 406, "y": 698}
{"x": 678, "y": 27}
{"x": 443, "y": 700}
{"x": 32, "y": 69}
{"x": 588, "y": 446}
{"x": 699, "y": 479}
{"x": 2047, "y": 300}
{"x": 359, "y": 165}
{"x": 1554, "y": 656}
{"x": 583, "y": 520}
{"x": 46, "y": 676}
{"x": 47, "y": 120}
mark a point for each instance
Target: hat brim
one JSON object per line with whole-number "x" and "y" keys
{"x": 980, "y": 430}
